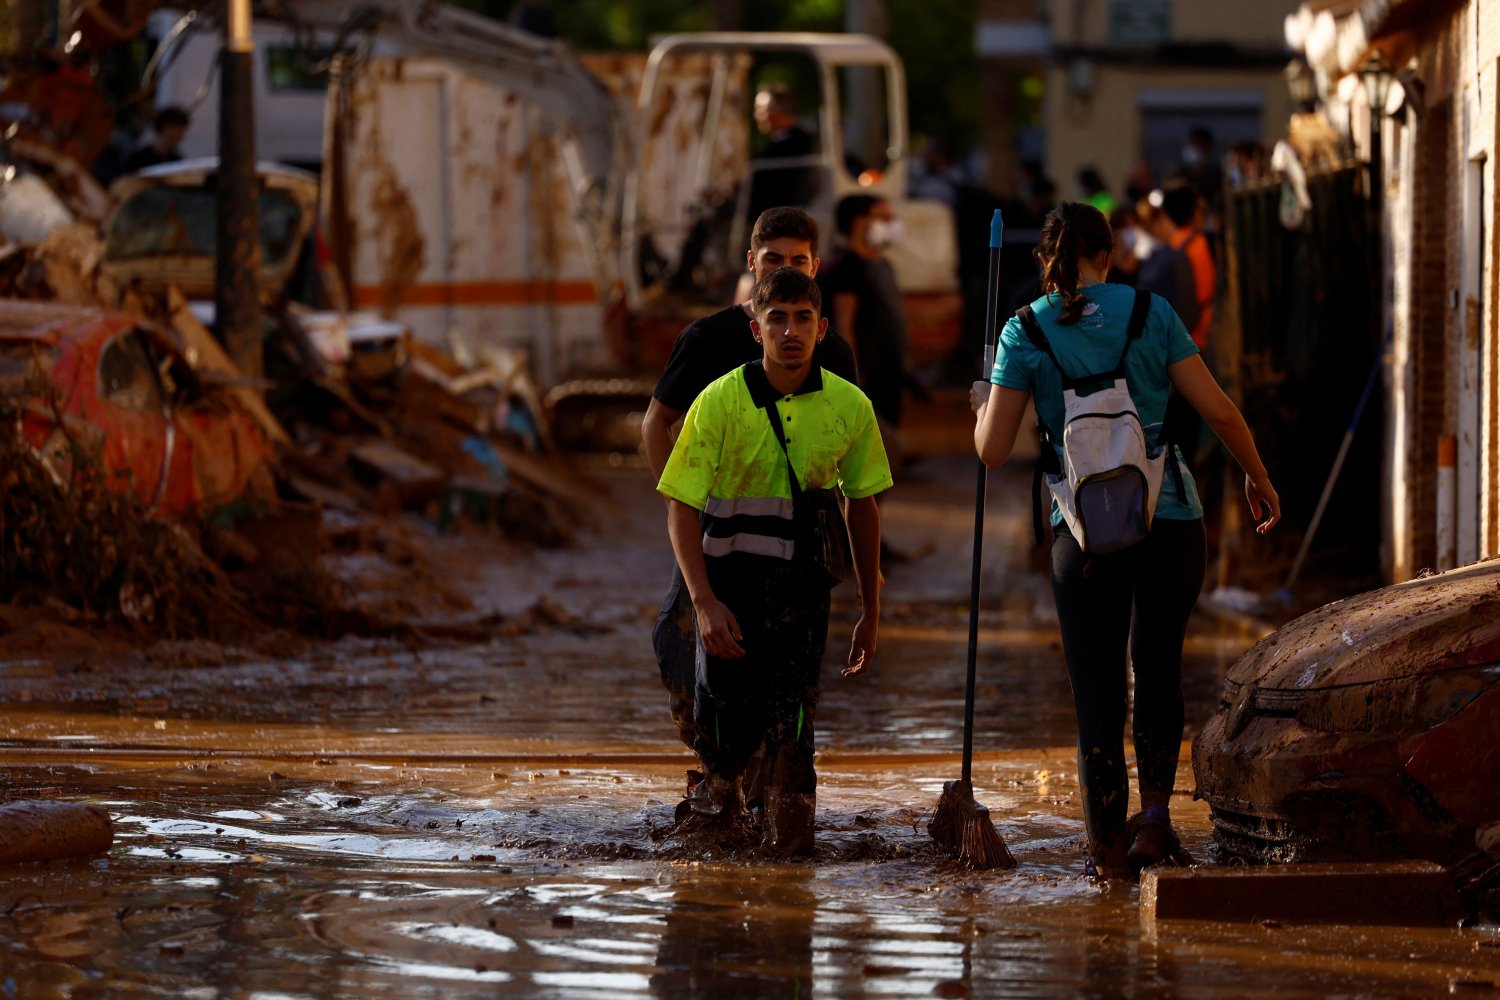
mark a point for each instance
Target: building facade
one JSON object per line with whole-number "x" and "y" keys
{"x": 1412, "y": 85}
{"x": 1123, "y": 81}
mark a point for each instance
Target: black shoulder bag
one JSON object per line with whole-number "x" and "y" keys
{"x": 822, "y": 537}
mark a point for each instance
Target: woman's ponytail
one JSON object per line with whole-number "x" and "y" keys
{"x": 1071, "y": 231}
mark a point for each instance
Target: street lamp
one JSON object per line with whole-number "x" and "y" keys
{"x": 1376, "y": 76}
{"x": 1301, "y": 84}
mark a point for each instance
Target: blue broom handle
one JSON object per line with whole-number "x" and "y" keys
{"x": 991, "y": 333}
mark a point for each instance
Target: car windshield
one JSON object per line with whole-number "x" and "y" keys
{"x": 161, "y": 221}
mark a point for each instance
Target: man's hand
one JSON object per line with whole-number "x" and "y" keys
{"x": 719, "y": 629}
{"x": 862, "y": 648}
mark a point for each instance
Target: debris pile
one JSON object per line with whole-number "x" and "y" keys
{"x": 91, "y": 548}
{"x": 362, "y": 422}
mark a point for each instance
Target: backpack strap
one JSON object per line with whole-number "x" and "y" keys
{"x": 1034, "y": 333}
{"x": 1139, "y": 312}
{"x": 1046, "y": 456}
{"x": 1138, "y": 315}
{"x": 1039, "y": 467}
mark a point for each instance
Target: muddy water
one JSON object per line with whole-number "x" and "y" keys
{"x": 445, "y": 820}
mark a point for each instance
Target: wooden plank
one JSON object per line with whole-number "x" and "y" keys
{"x": 1404, "y": 893}
{"x": 206, "y": 353}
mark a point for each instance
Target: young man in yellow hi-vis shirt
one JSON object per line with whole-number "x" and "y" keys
{"x": 760, "y": 601}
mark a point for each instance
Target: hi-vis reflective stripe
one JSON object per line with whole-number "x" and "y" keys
{"x": 761, "y": 526}
{"x": 752, "y": 506}
{"x": 755, "y": 545}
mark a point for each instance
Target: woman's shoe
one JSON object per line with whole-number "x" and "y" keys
{"x": 1106, "y": 863}
{"x": 1154, "y": 842}
{"x": 1107, "y": 872}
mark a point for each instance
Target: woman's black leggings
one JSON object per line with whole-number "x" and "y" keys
{"x": 1144, "y": 595}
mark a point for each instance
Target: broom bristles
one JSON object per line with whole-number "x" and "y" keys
{"x": 963, "y": 826}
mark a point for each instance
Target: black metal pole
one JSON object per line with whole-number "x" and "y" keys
{"x": 237, "y": 261}
{"x": 991, "y": 336}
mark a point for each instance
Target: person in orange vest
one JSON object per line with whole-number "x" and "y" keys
{"x": 1183, "y": 205}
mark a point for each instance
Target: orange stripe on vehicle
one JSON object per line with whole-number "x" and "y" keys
{"x": 480, "y": 293}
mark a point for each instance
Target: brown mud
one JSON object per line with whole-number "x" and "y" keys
{"x": 482, "y": 805}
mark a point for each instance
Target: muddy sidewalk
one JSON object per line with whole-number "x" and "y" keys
{"x": 436, "y": 816}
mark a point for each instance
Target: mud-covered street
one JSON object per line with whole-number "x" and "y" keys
{"x": 438, "y": 816}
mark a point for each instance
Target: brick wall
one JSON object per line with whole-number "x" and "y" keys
{"x": 1487, "y": 57}
{"x": 1432, "y": 236}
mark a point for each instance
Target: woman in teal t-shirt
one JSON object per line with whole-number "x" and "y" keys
{"x": 1139, "y": 598}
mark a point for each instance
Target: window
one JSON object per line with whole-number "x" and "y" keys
{"x": 1140, "y": 22}
{"x": 125, "y": 375}
{"x": 184, "y": 220}
{"x": 290, "y": 67}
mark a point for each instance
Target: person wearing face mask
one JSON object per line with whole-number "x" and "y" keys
{"x": 860, "y": 286}
{"x": 1200, "y": 164}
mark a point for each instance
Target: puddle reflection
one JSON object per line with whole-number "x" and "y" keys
{"x": 759, "y": 944}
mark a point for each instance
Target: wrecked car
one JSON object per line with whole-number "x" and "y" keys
{"x": 91, "y": 386}
{"x": 1368, "y": 729}
{"x": 162, "y": 231}
{"x": 163, "y": 227}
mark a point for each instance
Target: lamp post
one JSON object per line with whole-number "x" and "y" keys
{"x": 1301, "y": 84}
{"x": 1376, "y": 75}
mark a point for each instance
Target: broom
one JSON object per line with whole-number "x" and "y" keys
{"x": 960, "y": 824}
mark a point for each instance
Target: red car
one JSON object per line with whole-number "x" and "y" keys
{"x": 1366, "y": 730}
{"x": 115, "y": 385}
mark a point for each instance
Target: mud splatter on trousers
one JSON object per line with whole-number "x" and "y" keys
{"x": 1130, "y": 605}
{"x": 770, "y": 694}
{"x": 675, "y": 642}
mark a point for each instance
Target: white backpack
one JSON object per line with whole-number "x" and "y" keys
{"x": 1107, "y": 483}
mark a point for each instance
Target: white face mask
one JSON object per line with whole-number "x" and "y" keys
{"x": 883, "y": 233}
{"x": 1192, "y": 156}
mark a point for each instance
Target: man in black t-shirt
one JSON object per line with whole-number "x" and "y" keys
{"x": 861, "y": 296}
{"x": 706, "y": 349}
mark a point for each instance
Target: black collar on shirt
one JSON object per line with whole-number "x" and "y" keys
{"x": 763, "y": 393}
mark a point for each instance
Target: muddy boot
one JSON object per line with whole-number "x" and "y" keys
{"x": 685, "y": 808}
{"x": 753, "y": 780}
{"x": 714, "y": 799}
{"x": 789, "y": 823}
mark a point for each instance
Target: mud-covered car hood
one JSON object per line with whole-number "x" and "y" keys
{"x": 1438, "y": 622}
